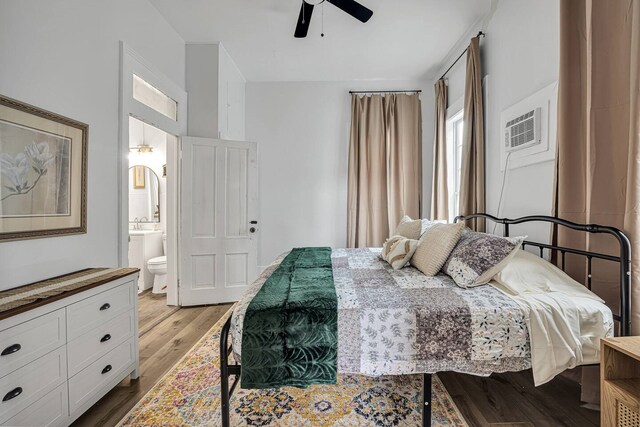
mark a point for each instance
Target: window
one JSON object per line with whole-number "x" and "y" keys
{"x": 150, "y": 96}
{"x": 455, "y": 126}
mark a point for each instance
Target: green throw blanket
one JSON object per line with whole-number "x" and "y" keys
{"x": 290, "y": 329}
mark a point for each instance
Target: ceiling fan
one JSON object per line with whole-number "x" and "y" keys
{"x": 351, "y": 7}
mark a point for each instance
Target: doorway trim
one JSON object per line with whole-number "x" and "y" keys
{"x": 132, "y": 63}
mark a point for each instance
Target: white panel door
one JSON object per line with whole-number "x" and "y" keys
{"x": 218, "y": 220}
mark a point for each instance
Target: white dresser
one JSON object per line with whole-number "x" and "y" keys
{"x": 61, "y": 353}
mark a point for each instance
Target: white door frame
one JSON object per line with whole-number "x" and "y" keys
{"x": 132, "y": 63}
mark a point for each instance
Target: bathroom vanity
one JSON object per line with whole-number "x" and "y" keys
{"x": 144, "y": 245}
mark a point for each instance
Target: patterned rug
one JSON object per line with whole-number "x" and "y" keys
{"x": 189, "y": 395}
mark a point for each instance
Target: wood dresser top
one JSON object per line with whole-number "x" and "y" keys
{"x": 24, "y": 298}
{"x": 627, "y": 345}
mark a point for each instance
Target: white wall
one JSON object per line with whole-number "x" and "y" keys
{"x": 521, "y": 56}
{"x": 231, "y": 98}
{"x": 63, "y": 56}
{"x": 202, "y": 64}
{"x": 216, "y": 89}
{"x": 302, "y": 130}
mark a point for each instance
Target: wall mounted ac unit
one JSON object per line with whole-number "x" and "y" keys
{"x": 528, "y": 129}
{"x": 523, "y": 131}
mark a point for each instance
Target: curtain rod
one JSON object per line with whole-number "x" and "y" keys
{"x": 385, "y": 91}
{"x": 480, "y": 34}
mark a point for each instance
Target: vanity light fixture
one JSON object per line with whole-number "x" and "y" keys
{"x": 143, "y": 147}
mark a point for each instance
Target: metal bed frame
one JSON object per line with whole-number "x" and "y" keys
{"x": 624, "y": 317}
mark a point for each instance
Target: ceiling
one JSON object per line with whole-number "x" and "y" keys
{"x": 405, "y": 39}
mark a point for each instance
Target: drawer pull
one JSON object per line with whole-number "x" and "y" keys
{"x": 104, "y": 371}
{"x": 11, "y": 349}
{"x": 105, "y": 306}
{"x": 105, "y": 338}
{"x": 13, "y": 393}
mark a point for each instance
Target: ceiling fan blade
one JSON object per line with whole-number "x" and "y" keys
{"x": 353, "y": 8}
{"x": 303, "y": 20}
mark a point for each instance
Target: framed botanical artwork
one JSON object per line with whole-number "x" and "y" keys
{"x": 43, "y": 173}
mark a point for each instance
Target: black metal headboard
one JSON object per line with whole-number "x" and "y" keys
{"x": 624, "y": 259}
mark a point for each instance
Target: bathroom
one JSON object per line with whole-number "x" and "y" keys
{"x": 148, "y": 205}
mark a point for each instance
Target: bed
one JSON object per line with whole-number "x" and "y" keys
{"x": 394, "y": 322}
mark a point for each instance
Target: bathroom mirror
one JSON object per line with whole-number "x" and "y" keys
{"x": 144, "y": 195}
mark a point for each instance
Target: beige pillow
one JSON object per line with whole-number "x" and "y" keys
{"x": 434, "y": 247}
{"x": 409, "y": 228}
{"x": 398, "y": 250}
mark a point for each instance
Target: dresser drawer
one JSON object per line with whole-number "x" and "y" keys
{"x": 50, "y": 411}
{"x": 89, "y": 313}
{"x": 32, "y": 382}
{"x": 87, "y": 348}
{"x": 96, "y": 376}
{"x": 30, "y": 340}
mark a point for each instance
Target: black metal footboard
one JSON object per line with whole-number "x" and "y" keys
{"x": 227, "y": 370}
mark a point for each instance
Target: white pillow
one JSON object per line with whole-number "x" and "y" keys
{"x": 427, "y": 224}
{"x": 527, "y": 273}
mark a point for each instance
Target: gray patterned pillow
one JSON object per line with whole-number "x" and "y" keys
{"x": 479, "y": 256}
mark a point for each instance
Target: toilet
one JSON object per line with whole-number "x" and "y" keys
{"x": 158, "y": 267}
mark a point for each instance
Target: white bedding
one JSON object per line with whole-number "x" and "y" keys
{"x": 565, "y": 320}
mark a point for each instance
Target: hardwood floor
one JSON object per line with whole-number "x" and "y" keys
{"x": 152, "y": 309}
{"x": 166, "y": 334}
{"x": 511, "y": 399}
{"x": 505, "y": 400}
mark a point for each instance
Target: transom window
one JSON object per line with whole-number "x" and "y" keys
{"x": 150, "y": 96}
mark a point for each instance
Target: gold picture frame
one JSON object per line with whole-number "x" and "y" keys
{"x": 43, "y": 173}
{"x": 139, "y": 173}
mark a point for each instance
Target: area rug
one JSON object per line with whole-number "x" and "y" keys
{"x": 189, "y": 395}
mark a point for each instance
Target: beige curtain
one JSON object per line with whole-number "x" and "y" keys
{"x": 472, "y": 187}
{"x": 439, "y": 190}
{"x": 597, "y": 165}
{"x": 385, "y": 176}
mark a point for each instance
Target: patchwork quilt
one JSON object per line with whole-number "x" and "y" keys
{"x": 395, "y": 322}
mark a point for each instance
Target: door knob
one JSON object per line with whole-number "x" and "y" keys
{"x": 252, "y": 230}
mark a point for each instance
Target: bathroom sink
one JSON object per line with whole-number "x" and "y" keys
{"x": 143, "y": 232}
